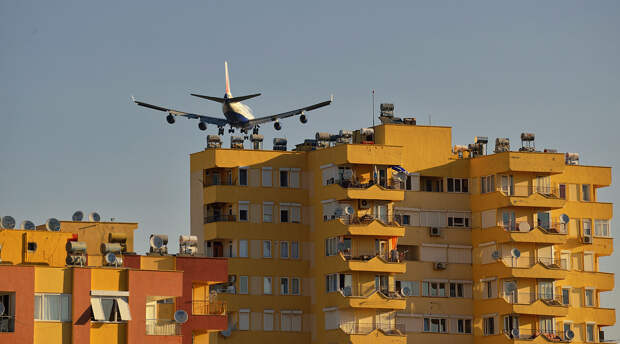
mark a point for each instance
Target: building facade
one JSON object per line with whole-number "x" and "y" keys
{"x": 62, "y": 286}
{"x": 397, "y": 237}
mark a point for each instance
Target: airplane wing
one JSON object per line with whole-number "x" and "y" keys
{"x": 207, "y": 119}
{"x": 272, "y": 118}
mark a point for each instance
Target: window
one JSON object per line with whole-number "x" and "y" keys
{"x": 267, "y": 285}
{"x": 489, "y": 326}
{"x": 508, "y": 220}
{"x": 585, "y": 192}
{"x": 487, "y": 184}
{"x": 458, "y": 185}
{"x": 266, "y": 177}
{"x": 408, "y": 288}
{"x": 589, "y": 332}
{"x": 284, "y": 178}
{"x": 284, "y": 214}
{"x": 294, "y": 286}
{"x": 406, "y": 219}
{"x": 489, "y": 287}
{"x": 284, "y": 249}
{"x": 290, "y": 321}
{"x": 295, "y": 249}
{"x": 244, "y": 319}
{"x": 52, "y": 307}
{"x": 7, "y": 319}
{"x": 458, "y": 221}
{"x": 589, "y": 297}
{"x": 243, "y": 248}
{"x": 110, "y": 309}
{"x": 266, "y": 248}
{"x": 562, "y": 190}
{"x": 601, "y": 228}
{"x": 331, "y": 246}
{"x": 566, "y": 296}
{"x": 284, "y": 286}
{"x": 243, "y": 211}
{"x": 243, "y": 284}
{"x": 268, "y": 212}
{"x": 456, "y": 290}
{"x": 463, "y": 325}
{"x": 437, "y": 325}
{"x": 243, "y": 176}
{"x": 331, "y": 283}
{"x": 268, "y": 320}
{"x": 433, "y": 289}
{"x": 295, "y": 214}
{"x": 587, "y": 227}
{"x": 294, "y": 178}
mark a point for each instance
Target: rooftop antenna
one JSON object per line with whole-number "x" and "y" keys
{"x": 373, "y": 108}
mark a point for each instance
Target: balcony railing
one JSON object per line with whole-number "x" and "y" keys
{"x": 388, "y": 219}
{"x": 391, "y": 295}
{"x": 555, "y": 227}
{"x": 206, "y": 307}
{"x": 220, "y": 218}
{"x": 528, "y": 262}
{"x": 391, "y": 328}
{"x": 391, "y": 184}
{"x": 524, "y": 298}
{"x": 529, "y": 334}
{"x": 527, "y": 190}
{"x": 349, "y": 254}
{"x": 162, "y": 327}
{"x": 7, "y": 323}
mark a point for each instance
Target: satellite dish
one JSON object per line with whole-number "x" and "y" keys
{"x": 524, "y": 226}
{"x": 348, "y": 174}
{"x": 495, "y": 255}
{"x": 27, "y": 225}
{"x": 110, "y": 258}
{"x": 515, "y": 252}
{"x": 158, "y": 241}
{"x": 406, "y": 291}
{"x": 94, "y": 217}
{"x": 52, "y": 224}
{"x": 7, "y": 222}
{"x": 564, "y": 218}
{"x": 2, "y": 308}
{"x": 77, "y": 216}
{"x": 348, "y": 210}
{"x": 569, "y": 334}
{"x": 515, "y": 332}
{"x": 510, "y": 287}
{"x": 180, "y": 316}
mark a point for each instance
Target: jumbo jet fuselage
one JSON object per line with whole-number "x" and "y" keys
{"x": 236, "y": 112}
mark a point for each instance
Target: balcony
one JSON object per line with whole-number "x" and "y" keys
{"x": 373, "y": 263}
{"x": 162, "y": 327}
{"x": 368, "y": 333}
{"x": 555, "y": 233}
{"x": 534, "y": 304}
{"x": 535, "y": 336}
{"x": 519, "y": 196}
{"x": 220, "y": 218}
{"x": 525, "y": 267}
{"x": 345, "y": 298}
{"x": 206, "y": 307}
{"x": 392, "y": 191}
{"x": 365, "y": 225}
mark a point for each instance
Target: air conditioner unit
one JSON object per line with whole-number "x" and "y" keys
{"x": 586, "y": 239}
{"x": 434, "y": 231}
{"x": 364, "y": 204}
{"x": 440, "y": 266}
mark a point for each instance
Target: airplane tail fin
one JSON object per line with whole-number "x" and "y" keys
{"x": 227, "y": 100}
{"x": 227, "y": 80}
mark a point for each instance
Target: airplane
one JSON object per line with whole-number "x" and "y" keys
{"x": 238, "y": 115}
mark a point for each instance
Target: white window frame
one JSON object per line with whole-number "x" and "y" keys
{"x": 268, "y": 320}
{"x": 291, "y": 289}
{"x": 601, "y": 228}
{"x": 267, "y": 285}
{"x": 244, "y": 205}
{"x": 284, "y": 253}
{"x": 247, "y": 175}
{"x": 268, "y": 212}
{"x": 243, "y": 290}
{"x": 288, "y": 177}
{"x": 295, "y": 251}
{"x": 64, "y": 300}
{"x": 267, "y": 177}
{"x": 244, "y": 319}
{"x": 267, "y": 249}
{"x": 243, "y": 248}
{"x": 295, "y": 178}
{"x": 285, "y": 288}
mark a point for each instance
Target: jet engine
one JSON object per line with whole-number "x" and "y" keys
{"x": 202, "y": 126}
{"x": 277, "y": 125}
{"x": 303, "y": 119}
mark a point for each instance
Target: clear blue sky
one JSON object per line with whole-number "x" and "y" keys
{"x": 70, "y": 138}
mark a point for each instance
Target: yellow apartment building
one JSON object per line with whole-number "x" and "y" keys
{"x": 395, "y": 236}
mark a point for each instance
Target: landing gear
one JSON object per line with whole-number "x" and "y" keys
{"x": 244, "y": 131}
{"x": 231, "y": 130}
{"x": 220, "y": 131}
{"x": 255, "y": 130}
